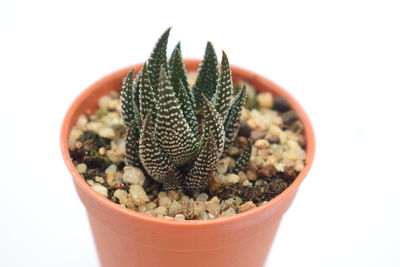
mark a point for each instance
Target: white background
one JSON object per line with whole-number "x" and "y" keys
{"x": 340, "y": 59}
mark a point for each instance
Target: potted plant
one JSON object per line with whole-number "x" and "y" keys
{"x": 179, "y": 173}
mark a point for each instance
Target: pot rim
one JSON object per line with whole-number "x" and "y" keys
{"x": 79, "y": 180}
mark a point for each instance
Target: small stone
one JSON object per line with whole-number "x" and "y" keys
{"x": 213, "y": 207}
{"x": 261, "y": 143}
{"x": 229, "y": 212}
{"x": 290, "y": 117}
{"x": 265, "y": 100}
{"x": 169, "y": 217}
{"x": 164, "y": 201}
{"x": 133, "y": 175}
{"x": 233, "y": 151}
{"x": 104, "y": 101}
{"x": 81, "y": 168}
{"x": 252, "y": 176}
{"x": 232, "y": 178}
{"x": 180, "y": 217}
{"x": 139, "y": 196}
{"x": 274, "y": 139}
{"x": 256, "y": 134}
{"x": 100, "y": 189}
{"x": 281, "y": 104}
{"x": 173, "y": 195}
{"x": 102, "y": 151}
{"x": 222, "y": 166}
{"x": 107, "y": 132}
{"x": 242, "y": 176}
{"x": 90, "y": 182}
{"x": 202, "y": 197}
{"x": 112, "y": 169}
{"x": 199, "y": 208}
{"x": 244, "y": 130}
{"x": 175, "y": 208}
{"x": 267, "y": 173}
{"x": 290, "y": 173}
{"x": 241, "y": 142}
{"x": 99, "y": 179}
{"x": 247, "y": 206}
{"x": 161, "y": 211}
{"x": 247, "y": 183}
{"x": 277, "y": 186}
{"x": 123, "y": 198}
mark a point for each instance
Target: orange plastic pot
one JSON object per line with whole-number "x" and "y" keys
{"x": 127, "y": 238}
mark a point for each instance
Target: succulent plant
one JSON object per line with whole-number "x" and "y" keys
{"x": 177, "y": 133}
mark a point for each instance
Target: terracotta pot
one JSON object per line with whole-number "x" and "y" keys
{"x": 128, "y": 238}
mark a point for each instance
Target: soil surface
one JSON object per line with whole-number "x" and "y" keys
{"x": 97, "y": 147}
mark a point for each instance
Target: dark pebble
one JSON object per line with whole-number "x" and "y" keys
{"x": 281, "y": 104}
{"x": 244, "y": 130}
{"x": 289, "y": 117}
{"x": 290, "y": 173}
{"x": 277, "y": 186}
{"x": 241, "y": 142}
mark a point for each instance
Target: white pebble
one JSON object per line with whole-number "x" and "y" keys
{"x": 138, "y": 195}
{"x": 232, "y": 178}
{"x": 107, "y": 132}
{"x": 81, "y": 168}
{"x": 265, "y": 100}
{"x": 202, "y": 197}
{"x": 100, "y": 189}
{"x": 111, "y": 169}
{"x": 180, "y": 217}
{"x": 133, "y": 175}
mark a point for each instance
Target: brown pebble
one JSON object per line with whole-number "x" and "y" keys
{"x": 255, "y": 135}
{"x": 274, "y": 139}
{"x": 244, "y": 130}
{"x": 277, "y": 186}
{"x": 281, "y": 104}
{"x": 289, "y": 117}
{"x": 246, "y": 206}
{"x": 290, "y": 173}
{"x": 302, "y": 141}
{"x": 241, "y": 142}
{"x": 267, "y": 172}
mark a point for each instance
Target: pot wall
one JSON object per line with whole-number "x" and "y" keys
{"x": 127, "y": 238}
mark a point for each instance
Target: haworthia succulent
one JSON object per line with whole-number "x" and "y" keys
{"x": 232, "y": 121}
{"x": 206, "y": 82}
{"x": 158, "y": 58}
{"x": 204, "y": 166}
{"x": 244, "y": 158}
{"x": 177, "y": 133}
{"x": 173, "y": 132}
{"x": 223, "y": 96}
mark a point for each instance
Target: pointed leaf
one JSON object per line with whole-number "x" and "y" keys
{"x": 178, "y": 74}
{"x": 173, "y": 132}
{"x": 146, "y": 93}
{"x": 232, "y": 121}
{"x": 132, "y": 145}
{"x": 127, "y": 99}
{"x": 204, "y": 166}
{"x": 187, "y": 109}
{"x": 156, "y": 163}
{"x": 157, "y": 58}
{"x": 243, "y": 160}
{"x": 212, "y": 122}
{"x": 224, "y": 92}
{"x": 206, "y": 82}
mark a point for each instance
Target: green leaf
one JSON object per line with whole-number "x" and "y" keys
{"x": 156, "y": 163}
{"x": 127, "y": 99}
{"x": 206, "y": 82}
{"x": 223, "y": 96}
{"x": 157, "y": 58}
{"x": 212, "y": 122}
{"x": 132, "y": 145}
{"x": 244, "y": 158}
{"x": 146, "y": 93}
{"x": 173, "y": 132}
{"x": 203, "y": 168}
{"x": 187, "y": 109}
{"x": 232, "y": 121}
